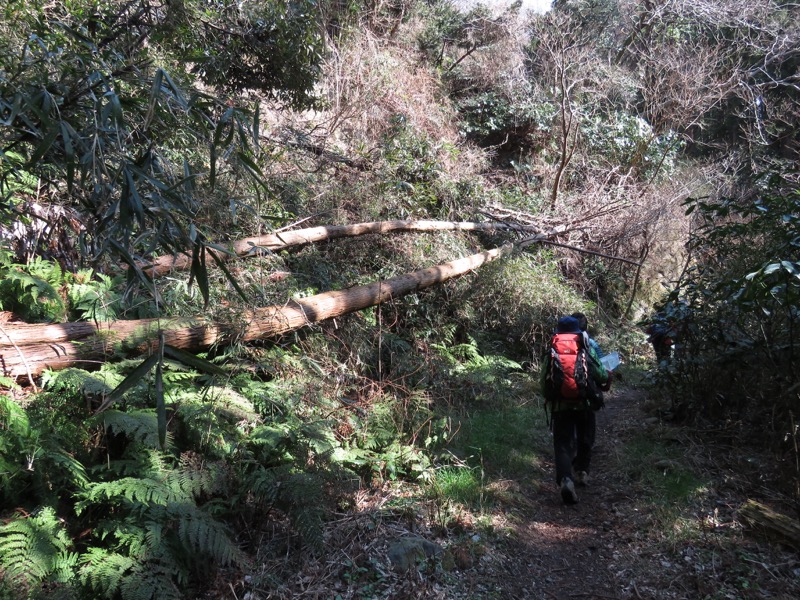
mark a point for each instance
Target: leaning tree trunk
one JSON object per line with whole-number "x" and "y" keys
{"x": 273, "y": 242}
{"x": 27, "y": 350}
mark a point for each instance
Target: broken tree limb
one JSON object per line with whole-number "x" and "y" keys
{"x": 542, "y": 240}
{"x": 84, "y": 344}
{"x": 273, "y": 242}
{"x": 770, "y": 523}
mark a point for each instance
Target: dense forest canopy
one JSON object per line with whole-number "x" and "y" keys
{"x": 661, "y": 132}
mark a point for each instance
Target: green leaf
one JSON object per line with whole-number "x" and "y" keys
{"x": 44, "y": 146}
{"x": 252, "y": 168}
{"x": 176, "y": 91}
{"x": 229, "y": 276}
{"x": 134, "y": 270}
{"x": 135, "y": 376}
{"x": 199, "y": 270}
{"x": 69, "y": 152}
{"x": 193, "y": 361}
{"x": 257, "y": 126}
{"x": 212, "y": 175}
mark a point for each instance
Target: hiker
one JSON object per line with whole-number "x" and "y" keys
{"x": 571, "y": 374}
{"x": 660, "y": 336}
{"x": 597, "y": 401}
{"x": 663, "y": 329}
{"x": 583, "y": 323}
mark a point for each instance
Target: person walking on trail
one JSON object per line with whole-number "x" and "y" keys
{"x": 570, "y": 377}
{"x": 596, "y": 402}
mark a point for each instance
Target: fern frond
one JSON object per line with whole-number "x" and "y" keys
{"x": 263, "y": 484}
{"x": 128, "y": 534}
{"x": 217, "y": 419}
{"x": 303, "y": 496}
{"x": 36, "y": 548}
{"x": 73, "y": 381}
{"x": 178, "y": 373}
{"x": 132, "y": 489}
{"x": 140, "y": 425}
{"x": 319, "y": 439}
{"x": 150, "y": 581}
{"x": 113, "y": 575}
{"x": 230, "y": 403}
{"x": 69, "y": 464}
{"x": 199, "y": 532}
{"x": 13, "y": 418}
{"x": 196, "y": 477}
{"x": 103, "y": 571}
{"x": 273, "y": 437}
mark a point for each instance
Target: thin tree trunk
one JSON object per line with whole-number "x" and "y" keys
{"x": 274, "y": 242}
{"x": 27, "y": 350}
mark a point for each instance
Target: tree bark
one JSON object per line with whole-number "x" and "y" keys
{"x": 27, "y": 350}
{"x": 773, "y": 525}
{"x": 274, "y": 242}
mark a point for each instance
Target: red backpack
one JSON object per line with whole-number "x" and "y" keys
{"x": 567, "y": 377}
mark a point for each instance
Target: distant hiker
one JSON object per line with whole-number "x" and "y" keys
{"x": 663, "y": 329}
{"x": 659, "y": 335}
{"x": 571, "y": 376}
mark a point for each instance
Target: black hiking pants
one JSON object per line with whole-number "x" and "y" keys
{"x": 573, "y": 438}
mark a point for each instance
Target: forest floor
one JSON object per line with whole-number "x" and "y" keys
{"x": 658, "y": 519}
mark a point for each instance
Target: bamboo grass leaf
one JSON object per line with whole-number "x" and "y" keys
{"x": 199, "y": 269}
{"x": 193, "y": 361}
{"x": 176, "y": 92}
{"x": 69, "y": 152}
{"x": 130, "y": 381}
{"x": 229, "y": 276}
{"x": 252, "y": 168}
{"x": 45, "y": 145}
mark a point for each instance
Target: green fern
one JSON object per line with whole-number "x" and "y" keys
{"x": 197, "y": 478}
{"x": 93, "y": 296}
{"x": 302, "y": 495}
{"x": 150, "y": 581}
{"x": 83, "y": 383}
{"x": 34, "y": 466}
{"x": 130, "y": 489}
{"x": 15, "y": 426}
{"x": 262, "y": 485}
{"x": 32, "y": 291}
{"x": 103, "y": 571}
{"x": 156, "y": 531}
{"x": 216, "y": 419}
{"x": 34, "y": 550}
{"x": 138, "y": 425}
{"x": 201, "y": 534}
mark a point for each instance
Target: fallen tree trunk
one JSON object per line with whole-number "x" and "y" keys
{"x": 771, "y": 524}
{"x": 27, "y": 350}
{"x": 273, "y": 242}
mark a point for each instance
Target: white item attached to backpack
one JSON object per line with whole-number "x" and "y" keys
{"x": 610, "y": 361}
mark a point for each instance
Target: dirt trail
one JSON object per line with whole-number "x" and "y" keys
{"x": 563, "y": 552}
{"x": 609, "y": 544}
{"x": 616, "y": 543}
{"x": 573, "y": 550}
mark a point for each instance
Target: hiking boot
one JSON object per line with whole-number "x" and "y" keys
{"x": 568, "y": 493}
{"x": 581, "y": 478}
